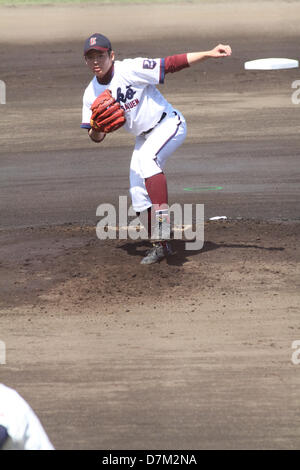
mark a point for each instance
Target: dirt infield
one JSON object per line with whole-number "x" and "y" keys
{"x": 191, "y": 353}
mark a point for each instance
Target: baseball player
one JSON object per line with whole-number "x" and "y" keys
{"x": 20, "y": 428}
{"x": 138, "y": 105}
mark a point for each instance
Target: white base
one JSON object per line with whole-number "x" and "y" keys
{"x": 271, "y": 64}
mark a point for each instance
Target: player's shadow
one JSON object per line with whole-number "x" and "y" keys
{"x": 181, "y": 254}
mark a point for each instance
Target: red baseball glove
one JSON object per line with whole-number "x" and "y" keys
{"x": 107, "y": 114}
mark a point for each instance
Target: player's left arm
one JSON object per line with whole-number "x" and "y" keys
{"x": 146, "y": 70}
{"x": 220, "y": 50}
{"x": 178, "y": 62}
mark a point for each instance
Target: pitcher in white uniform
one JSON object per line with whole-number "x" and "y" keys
{"x": 158, "y": 127}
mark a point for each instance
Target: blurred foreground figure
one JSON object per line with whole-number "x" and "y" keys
{"x": 20, "y": 428}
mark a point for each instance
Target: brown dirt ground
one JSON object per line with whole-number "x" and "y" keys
{"x": 191, "y": 353}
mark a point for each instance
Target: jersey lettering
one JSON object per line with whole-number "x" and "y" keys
{"x": 128, "y": 95}
{"x": 130, "y": 105}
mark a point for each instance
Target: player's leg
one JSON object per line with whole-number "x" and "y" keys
{"x": 167, "y": 137}
{"x": 159, "y": 146}
{"x": 141, "y": 201}
{"x": 150, "y": 156}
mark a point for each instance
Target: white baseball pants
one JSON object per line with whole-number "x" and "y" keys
{"x": 150, "y": 154}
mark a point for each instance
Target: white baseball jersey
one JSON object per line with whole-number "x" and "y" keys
{"x": 24, "y": 429}
{"x": 133, "y": 85}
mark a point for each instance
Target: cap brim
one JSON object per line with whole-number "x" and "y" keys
{"x": 97, "y": 48}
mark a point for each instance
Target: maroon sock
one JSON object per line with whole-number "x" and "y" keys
{"x": 149, "y": 215}
{"x": 157, "y": 189}
{"x": 149, "y": 221}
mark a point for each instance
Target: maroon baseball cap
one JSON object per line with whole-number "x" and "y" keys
{"x": 97, "y": 41}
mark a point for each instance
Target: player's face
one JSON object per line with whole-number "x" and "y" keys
{"x": 99, "y": 62}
